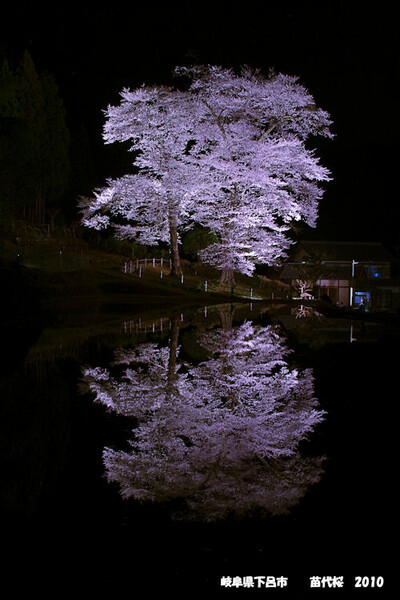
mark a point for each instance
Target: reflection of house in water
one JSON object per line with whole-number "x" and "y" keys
{"x": 309, "y": 326}
{"x": 349, "y": 273}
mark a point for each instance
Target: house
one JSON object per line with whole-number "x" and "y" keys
{"x": 348, "y": 273}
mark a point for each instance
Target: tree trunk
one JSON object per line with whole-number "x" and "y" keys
{"x": 226, "y": 316}
{"x": 171, "y": 389}
{"x": 173, "y": 348}
{"x": 228, "y": 276}
{"x": 176, "y": 268}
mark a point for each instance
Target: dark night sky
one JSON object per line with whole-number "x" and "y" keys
{"x": 345, "y": 52}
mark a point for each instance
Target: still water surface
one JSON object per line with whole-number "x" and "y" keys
{"x": 170, "y": 449}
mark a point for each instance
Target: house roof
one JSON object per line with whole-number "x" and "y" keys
{"x": 326, "y": 271}
{"x": 341, "y": 251}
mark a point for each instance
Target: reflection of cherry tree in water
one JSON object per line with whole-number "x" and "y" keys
{"x": 221, "y": 436}
{"x": 149, "y": 378}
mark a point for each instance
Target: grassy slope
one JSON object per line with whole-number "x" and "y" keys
{"x": 69, "y": 272}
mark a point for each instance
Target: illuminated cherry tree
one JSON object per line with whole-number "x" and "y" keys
{"x": 258, "y": 176}
{"x": 153, "y": 201}
{"x": 228, "y": 153}
{"x": 221, "y": 437}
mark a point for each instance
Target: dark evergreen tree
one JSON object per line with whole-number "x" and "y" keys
{"x": 55, "y": 158}
{"x": 34, "y": 142}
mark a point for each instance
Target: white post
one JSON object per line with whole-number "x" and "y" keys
{"x": 161, "y": 274}
{"x": 181, "y": 278}
{"x": 140, "y": 271}
{"x": 154, "y": 262}
{"x": 125, "y": 266}
{"x": 205, "y": 286}
{"x": 251, "y": 292}
{"x": 353, "y": 263}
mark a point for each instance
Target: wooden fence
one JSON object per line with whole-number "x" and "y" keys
{"x": 147, "y": 325}
{"x": 144, "y": 263}
{"x": 137, "y": 265}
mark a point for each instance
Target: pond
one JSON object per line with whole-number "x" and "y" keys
{"x": 172, "y": 449}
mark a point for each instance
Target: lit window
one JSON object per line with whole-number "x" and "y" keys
{"x": 375, "y": 271}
